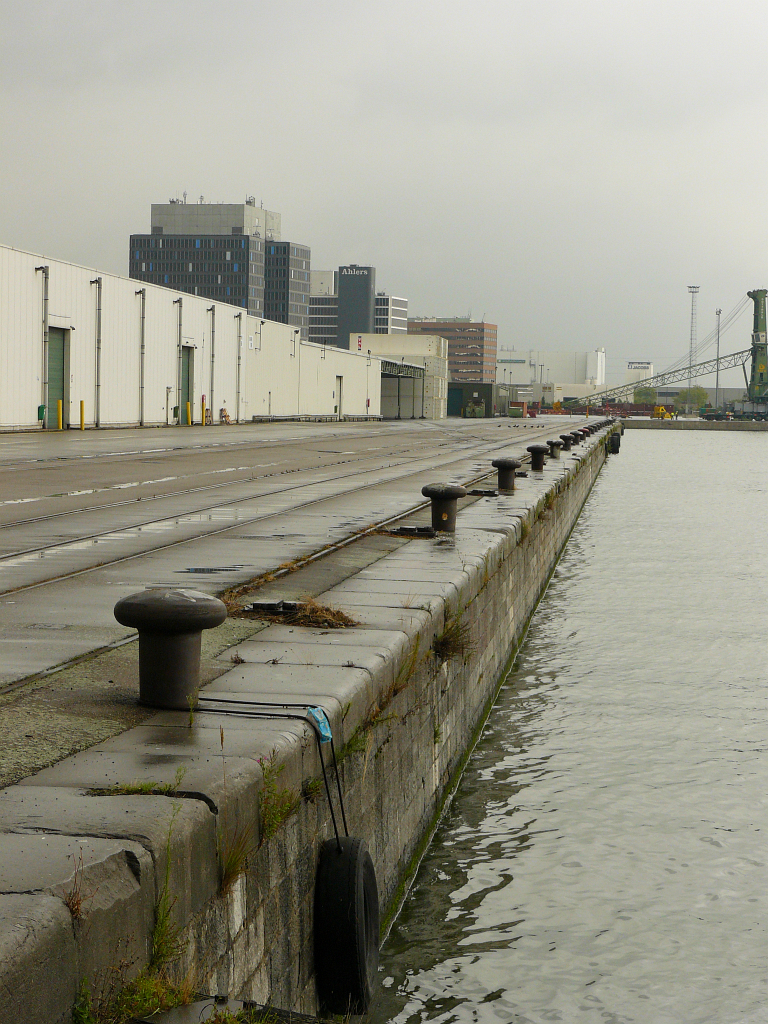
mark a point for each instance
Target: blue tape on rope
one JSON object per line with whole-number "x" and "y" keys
{"x": 321, "y": 720}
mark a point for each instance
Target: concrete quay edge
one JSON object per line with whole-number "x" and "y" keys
{"x": 403, "y": 719}
{"x": 648, "y": 424}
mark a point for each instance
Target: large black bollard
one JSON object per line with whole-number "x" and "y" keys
{"x": 567, "y": 442}
{"x": 444, "y": 498}
{"x": 170, "y": 623}
{"x": 554, "y": 448}
{"x": 538, "y": 454}
{"x": 506, "y": 469}
{"x": 614, "y": 443}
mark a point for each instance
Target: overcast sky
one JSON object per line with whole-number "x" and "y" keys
{"x": 565, "y": 169}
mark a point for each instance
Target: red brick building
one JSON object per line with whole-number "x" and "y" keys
{"x": 471, "y": 346}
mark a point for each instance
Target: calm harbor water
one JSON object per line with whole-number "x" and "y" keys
{"x": 604, "y": 858}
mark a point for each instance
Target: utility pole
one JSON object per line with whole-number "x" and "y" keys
{"x": 693, "y": 289}
{"x": 717, "y": 374}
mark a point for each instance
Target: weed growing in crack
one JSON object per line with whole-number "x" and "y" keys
{"x": 406, "y": 672}
{"x": 74, "y": 898}
{"x": 276, "y": 805}
{"x": 148, "y": 788}
{"x": 311, "y": 789}
{"x": 235, "y": 844}
{"x": 356, "y": 744}
{"x": 119, "y": 1000}
{"x": 166, "y": 945}
{"x": 455, "y": 641}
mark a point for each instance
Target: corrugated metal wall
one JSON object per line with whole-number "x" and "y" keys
{"x": 271, "y": 362}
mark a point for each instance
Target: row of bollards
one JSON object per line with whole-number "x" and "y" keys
{"x": 444, "y": 497}
{"x": 170, "y": 621}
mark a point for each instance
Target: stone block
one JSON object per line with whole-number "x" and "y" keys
{"x": 39, "y": 969}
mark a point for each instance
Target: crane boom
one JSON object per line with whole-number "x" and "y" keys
{"x": 621, "y": 393}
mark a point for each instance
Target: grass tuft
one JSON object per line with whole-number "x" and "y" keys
{"x": 166, "y": 937}
{"x": 235, "y": 849}
{"x": 356, "y": 744}
{"x": 150, "y": 787}
{"x": 276, "y": 805}
{"x": 120, "y": 1003}
{"x": 312, "y": 789}
{"x": 455, "y": 641}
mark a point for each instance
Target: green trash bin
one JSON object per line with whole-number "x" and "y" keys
{"x": 41, "y": 412}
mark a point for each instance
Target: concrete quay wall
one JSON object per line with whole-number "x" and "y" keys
{"x": 82, "y": 875}
{"x": 640, "y": 424}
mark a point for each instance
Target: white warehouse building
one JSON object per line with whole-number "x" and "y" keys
{"x": 551, "y": 375}
{"x": 411, "y": 397}
{"x": 122, "y": 355}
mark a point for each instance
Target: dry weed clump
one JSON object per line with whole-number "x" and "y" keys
{"x": 309, "y": 613}
{"x": 312, "y": 613}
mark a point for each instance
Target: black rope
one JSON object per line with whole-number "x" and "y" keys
{"x": 251, "y": 713}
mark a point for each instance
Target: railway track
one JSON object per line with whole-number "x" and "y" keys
{"x": 67, "y": 581}
{"x": 41, "y": 553}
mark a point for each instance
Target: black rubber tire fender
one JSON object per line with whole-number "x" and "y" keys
{"x": 346, "y": 926}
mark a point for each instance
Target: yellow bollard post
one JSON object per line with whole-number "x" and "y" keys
{"x": 60, "y": 414}
{"x": 203, "y": 419}
{"x": 189, "y": 414}
{"x": 82, "y": 414}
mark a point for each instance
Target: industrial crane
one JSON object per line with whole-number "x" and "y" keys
{"x": 757, "y": 383}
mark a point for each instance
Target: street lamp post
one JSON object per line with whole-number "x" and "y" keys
{"x": 717, "y": 372}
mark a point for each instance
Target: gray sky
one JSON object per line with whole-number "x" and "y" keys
{"x": 566, "y": 169}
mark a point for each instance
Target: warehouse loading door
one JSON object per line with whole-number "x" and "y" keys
{"x": 57, "y": 338}
{"x": 187, "y": 371}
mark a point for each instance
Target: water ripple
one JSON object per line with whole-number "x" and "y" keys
{"x": 604, "y": 857}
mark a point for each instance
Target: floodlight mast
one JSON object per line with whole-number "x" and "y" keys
{"x": 694, "y": 291}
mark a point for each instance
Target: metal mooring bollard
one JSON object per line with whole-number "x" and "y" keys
{"x": 506, "y": 468}
{"x": 170, "y": 624}
{"x": 554, "y": 448}
{"x": 614, "y": 443}
{"x": 538, "y": 453}
{"x": 444, "y": 498}
{"x": 577, "y": 436}
{"x": 567, "y": 442}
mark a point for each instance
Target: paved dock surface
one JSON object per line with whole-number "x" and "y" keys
{"x": 87, "y": 518}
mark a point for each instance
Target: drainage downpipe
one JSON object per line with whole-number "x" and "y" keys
{"x": 97, "y": 282}
{"x": 239, "y": 318}
{"x": 44, "y": 390}
{"x": 178, "y": 302}
{"x": 212, "y": 311}
{"x": 143, "y": 293}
